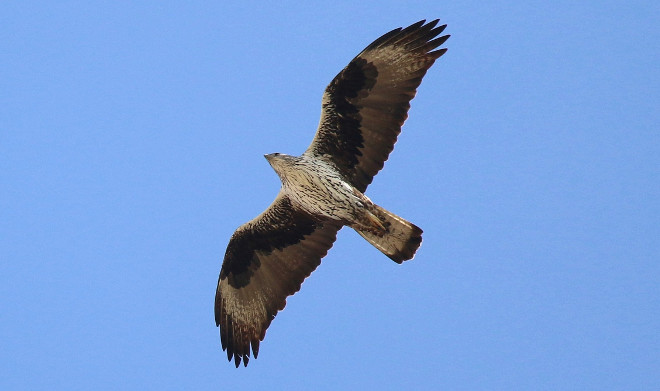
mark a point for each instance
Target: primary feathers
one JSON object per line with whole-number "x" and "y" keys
{"x": 363, "y": 109}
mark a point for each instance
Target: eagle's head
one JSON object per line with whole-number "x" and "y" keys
{"x": 281, "y": 163}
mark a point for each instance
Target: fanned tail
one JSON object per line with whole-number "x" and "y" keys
{"x": 399, "y": 240}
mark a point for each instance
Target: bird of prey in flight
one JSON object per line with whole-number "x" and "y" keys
{"x": 363, "y": 109}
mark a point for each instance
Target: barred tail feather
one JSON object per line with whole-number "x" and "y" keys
{"x": 401, "y": 239}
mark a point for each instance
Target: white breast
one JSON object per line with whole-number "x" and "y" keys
{"x": 317, "y": 188}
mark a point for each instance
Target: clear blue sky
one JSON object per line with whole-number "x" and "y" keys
{"x": 132, "y": 137}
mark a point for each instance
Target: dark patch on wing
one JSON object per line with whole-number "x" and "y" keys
{"x": 364, "y": 107}
{"x": 344, "y": 139}
{"x": 366, "y": 104}
{"x": 280, "y": 226}
{"x": 266, "y": 261}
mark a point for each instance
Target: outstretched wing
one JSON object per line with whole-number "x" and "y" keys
{"x": 266, "y": 260}
{"x": 367, "y": 102}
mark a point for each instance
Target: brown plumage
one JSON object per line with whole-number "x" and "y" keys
{"x": 363, "y": 110}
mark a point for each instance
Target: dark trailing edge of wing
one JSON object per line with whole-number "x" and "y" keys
{"x": 266, "y": 261}
{"x": 365, "y": 105}
{"x": 282, "y": 227}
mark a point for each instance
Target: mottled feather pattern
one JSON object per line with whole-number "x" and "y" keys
{"x": 244, "y": 312}
{"x": 363, "y": 109}
{"x": 366, "y": 104}
{"x": 277, "y": 228}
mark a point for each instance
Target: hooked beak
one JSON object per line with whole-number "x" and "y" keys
{"x": 270, "y": 157}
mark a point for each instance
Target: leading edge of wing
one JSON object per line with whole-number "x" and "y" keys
{"x": 266, "y": 261}
{"x": 365, "y": 105}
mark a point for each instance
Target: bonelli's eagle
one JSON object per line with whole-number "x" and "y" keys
{"x": 363, "y": 110}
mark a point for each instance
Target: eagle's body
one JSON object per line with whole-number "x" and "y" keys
{"x": 323, "y": 189}
{"x": 316, "y": 187}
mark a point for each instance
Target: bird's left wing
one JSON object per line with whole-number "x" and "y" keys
{"x": 367, "y": 102}
{"x": 266, "y": 260}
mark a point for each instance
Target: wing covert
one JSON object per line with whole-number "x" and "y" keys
{"x": 365, "y": 105}
{"x": 266, "y": 261}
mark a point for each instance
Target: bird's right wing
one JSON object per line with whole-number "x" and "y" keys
{"x": 266, "y": 260}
